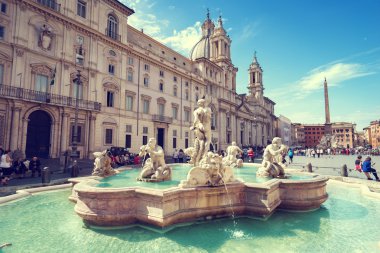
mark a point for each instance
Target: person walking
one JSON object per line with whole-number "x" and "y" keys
{"x": 35, "y": 165}
{"x": 181, "y": 155}
{"x": 175, "y": 156}
{"x": 290, "y": 154}
{"x": 367, "y": 169}
{"x": 251, "y": 155}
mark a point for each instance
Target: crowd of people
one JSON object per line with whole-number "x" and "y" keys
{"x": 14, "y": 165}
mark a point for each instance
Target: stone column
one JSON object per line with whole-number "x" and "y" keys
{"x": 91, "y": 136}
{"x": 15, "y": 128}
{"x": 25, "y": 122}
{"x": 54, "y": 140}
{"x": 65, "y": 131}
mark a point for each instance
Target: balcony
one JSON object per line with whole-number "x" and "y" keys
{"x": 46, "y": 98}
{"x": 51, "y": 4}
{"x": 113, "y": 35}
{"x": 162, "y": 119}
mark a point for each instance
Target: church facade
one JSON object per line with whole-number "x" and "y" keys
{"x": 131, "y": 86}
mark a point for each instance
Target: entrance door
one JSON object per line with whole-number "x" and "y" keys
{"x": 38, "y": 135}
{"x": 161, "y": 137}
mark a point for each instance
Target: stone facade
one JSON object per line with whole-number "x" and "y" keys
{"x": 372, "y": 134}
{"x": 133, "y": 87}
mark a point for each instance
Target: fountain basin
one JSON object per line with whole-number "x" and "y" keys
{"x": 162, "y": 208}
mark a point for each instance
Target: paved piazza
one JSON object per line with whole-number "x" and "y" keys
{"x": 330, "y": 165}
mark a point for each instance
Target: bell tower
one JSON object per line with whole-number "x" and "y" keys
{"x": 255, "y": 86}
{"x": 207, "y": 26}
{"x": 220, "y": 44}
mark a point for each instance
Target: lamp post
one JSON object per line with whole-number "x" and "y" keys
{"x": 255, "y": 125}
{"x": 74, "y": 145}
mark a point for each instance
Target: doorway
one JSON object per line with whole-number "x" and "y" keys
{"x": 38, "y": 135}
{"x": 161, "y": 137}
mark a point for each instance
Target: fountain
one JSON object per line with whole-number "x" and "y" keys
{"x": 210, "y": 190}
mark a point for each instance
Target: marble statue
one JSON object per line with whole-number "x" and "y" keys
{"x": 208, "y": 168}
{"x": 155, "y": 168}
{"x": 231, "y": 159}
{"x": 202, "y": 131}
{"x": 272, "y": 165}
{"x": 102, "y": 165}
{"x": 328, "y": 141}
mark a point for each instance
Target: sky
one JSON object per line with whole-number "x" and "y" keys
{"x": 299, "y": 43}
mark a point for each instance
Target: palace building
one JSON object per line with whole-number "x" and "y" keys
{"x": 132, "y": 86}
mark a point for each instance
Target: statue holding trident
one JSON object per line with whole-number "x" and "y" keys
{"x": 202, "y": 131}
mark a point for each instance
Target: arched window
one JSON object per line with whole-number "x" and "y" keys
{"x": 112, "y": 27}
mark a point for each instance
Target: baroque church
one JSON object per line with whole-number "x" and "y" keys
{"x": 130, "y": 87}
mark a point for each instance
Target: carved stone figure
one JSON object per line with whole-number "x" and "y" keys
{"x": 45, "y": 38}
{"x": 154, "y": 169}
{"x": 328, "y": 141}
{"x": 272, "y": 165}
{"x": 208, "y": 169}
{"x": 231, "y": 159}
{"x": 202, "y": 131}
{"x": 102, "y": 165}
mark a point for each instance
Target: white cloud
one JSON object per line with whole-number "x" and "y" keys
{"x": 249, "y": 31}
{"x": 335, "y": 74}
{"x": 184, "y": 40}
{"x": 171, "y": 7}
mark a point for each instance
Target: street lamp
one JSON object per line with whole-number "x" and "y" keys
{"x": 74, "y": 145}
{"x": 255, "y": 125}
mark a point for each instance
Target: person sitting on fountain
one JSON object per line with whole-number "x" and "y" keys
{"x": 202, "y": 130}
{"x": 232, "y": 152}
{"x": 155, "y": 166}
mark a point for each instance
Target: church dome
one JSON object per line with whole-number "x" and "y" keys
{"x": 201, "y": 49}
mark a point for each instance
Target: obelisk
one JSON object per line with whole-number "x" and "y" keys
{"x": 328, "y": 128}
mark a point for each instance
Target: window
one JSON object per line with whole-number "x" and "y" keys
{"x": 130, "y": 60}
{"x": 175, "y": 112}
{"x": 1, "y": 73}
{"x": 186, "y": 139}
{"x": 145, "y": 130}
{"x": 175, "y": 89}
{"x": 145, "y": 140}
{"x": 79, "y": 134}
{"x": 2, "y": 31}
{"x": 111, "y": 69}
{"x": 130, "y": 76}
{"x": 128, "y": 141}
{"x": 3, "y": 8}
{"x": 146, "y": 81}
{"x": 146, "y": 106}
{"x": 228, "y": 123}
{"x": 128, "y": 128}
{"x": 77, "y": 91}
{"x": 161, "y": 87}
{"x": 129, "y": 103}
{"x": 187, "y": 116}
{"x": 174, "y": 142}
{"x": 161, "y": 109}
{"x": 186, "y": 95}
{"x": 80, "y": 39}
{"x": 161, "y": 73}
{"x": 187, "y": 84}
{"x": 108, "y": 137}
{"x": 41, "y": 83}
{"x": 52, "y": 4}
{"x": 112, "y": 27}
{"x": 110, "y": 102}
{"x": 81, "y": 9}
{"x": 175, "y": 79}
{"x": 146, "y": 67}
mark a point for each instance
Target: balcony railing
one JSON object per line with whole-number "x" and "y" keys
{"x": 51, "y": 4}
{"x": 161, "y": 118}
{"x": 113, "y": 35}
{"x": 45, "y": 97}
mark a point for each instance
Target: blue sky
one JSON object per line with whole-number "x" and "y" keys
{"x": 298, "y": 43}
